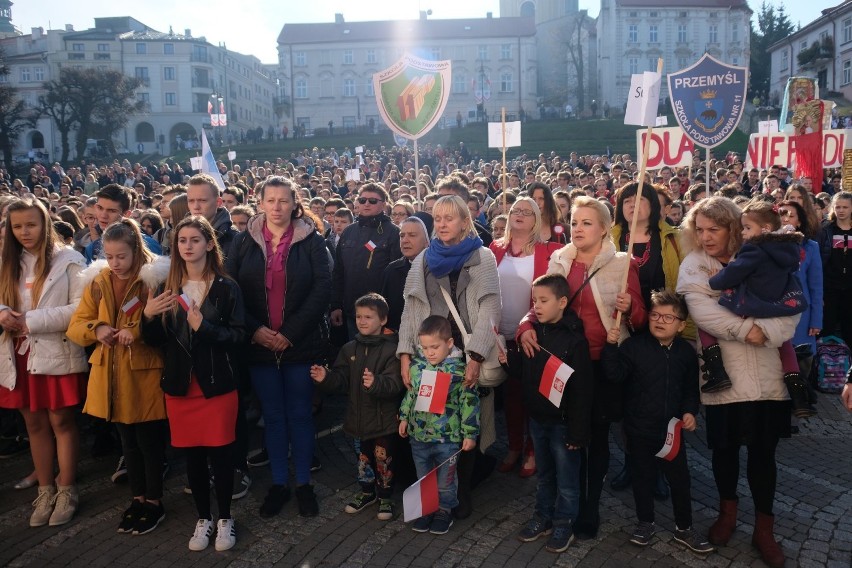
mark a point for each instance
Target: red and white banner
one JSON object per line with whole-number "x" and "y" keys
{"x": 130, "y": 307}
{"x": 672, "y": 445}
{"x": 669, "y": 147}
{"x": 370, "y": 246}
{"x": 184, "y": 301}
{"x": 421, "y": 498}
{"x": 553, "y": 380}
{"x": 432, "y": 395}
{"x": 779, "y": 148}
{"x": 214, "y": 119}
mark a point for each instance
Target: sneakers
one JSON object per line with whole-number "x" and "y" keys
{"x": 150, "y": 518}
{"x": 226, "y": 534}
{"x": 259, "y": 459}
{"x": 693, "y": 541}
{"x": 643, "y": 533}
{"x": 307, "y": 500}
{"x": 64, "y": 505}
{"x": 560, "y": 540}
{"x": 385, "y": 510}
{"x": 43, "y": 506}
{"x": 535, "y": 528}
{"x": 201, "y": 537}
{"x": 274, "y": 501}
{"x": 360, "y": 502}
{"x": 441, "y": 522}
{"x": 130, "y": 516}
{"x": 14, "y": 446}
{"x": 242, "y": 482}
{"x": 120, "y": 474}
{"x": 422, "y": 524}
{"x": 315, "y": 464}
{"x": 713, "y": 370}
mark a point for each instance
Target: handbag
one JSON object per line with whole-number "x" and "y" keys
{"x": 491, "y": 372}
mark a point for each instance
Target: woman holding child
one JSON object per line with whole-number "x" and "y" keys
{"x": 755, "y": 411}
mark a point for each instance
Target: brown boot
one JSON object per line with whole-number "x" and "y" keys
{"x": 723, "y": 528}
{"x": 764, "y": 540}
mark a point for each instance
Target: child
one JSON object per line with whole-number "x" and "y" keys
{"x": 202, "y": 338}
{"x": 659, "y": 370}
{"x": 761, "y": 282}
{"x": 558, "y": 433}
{"x": 437, "y": 437}
{"x": 498, "y": 226}
{"x": 124, "y": 382}
{"x": 368, "y": 370}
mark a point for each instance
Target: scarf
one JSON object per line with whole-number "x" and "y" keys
{"x": 443, "y": 259}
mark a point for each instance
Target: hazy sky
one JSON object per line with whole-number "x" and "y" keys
{"x": 252, "y": 26}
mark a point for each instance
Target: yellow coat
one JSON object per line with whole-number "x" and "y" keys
{"x": 124, "y": 382}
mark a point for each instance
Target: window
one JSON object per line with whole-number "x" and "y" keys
{"x": 171, "y": 99}
{"x": 632, "y": 65}
{"x": 506, "y": 51}
{"x": 168, "y": 73}
{"x": 847, "y": 71}
{"x": 681, "y": 34}
{"x": 141, "y": 48}
{"x": 847, "y": 30}
{"x": 348, "y": 58}
{"x": 348, "y": 123}
{"x": 804, "y": 45}
{"x": 370, "y": 91}
{"x": 26, "y": 75}
{"x": 735, "y": 32}
{"x": 654, "y": 34}
{"x": 103, "y": 47}
{"x": 506, "y": 82}
{"x": 77, "y": 55}
{"x": 785, "y": 60}
{"x": 101, "y": 56}
{"x": 459, "y": 84}
{"x": 435, "y": 53}
{"x": 681, "y": 62}
{"x": 632, "y": 33}
{"x": 168, "y": 49}
{"x": 349, "y": 87}
{"x": 653, "y": 14}
{"x": 301, "y": 59}
{"x": 483, "y": 52}
{"x": 38, "y": 73}
{"x": 325, "y": 87}
{"x": 77, "y": 47}
{"x": 371, "y": 56}
{"x": 713, "y": 33}
{"x": 141, "y": 73}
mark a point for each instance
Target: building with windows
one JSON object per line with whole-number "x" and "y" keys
{"x": 326, "y": 69}
{"x": 633, "y": 34}
{"x": 180, "y": 74}
{"x": 822, "y": 49}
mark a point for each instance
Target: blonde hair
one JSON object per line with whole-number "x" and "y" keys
{"x": 535, "y": 234}
{"x": 457, "y": 206}
{"x": 602, "y": 211}
{"x": 11, "y": 272}
{"x": 723, "y": 212}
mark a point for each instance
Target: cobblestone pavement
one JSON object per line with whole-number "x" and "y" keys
{"x": 813, "y": 517}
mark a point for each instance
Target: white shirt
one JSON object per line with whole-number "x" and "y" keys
{"x": 516, "y": 276}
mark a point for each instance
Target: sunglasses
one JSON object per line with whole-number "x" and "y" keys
{"x": 370, "y": 200}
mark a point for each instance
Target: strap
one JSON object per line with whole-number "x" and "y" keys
{"x": 449, "y": 300}
{"x": 583, "y": 285}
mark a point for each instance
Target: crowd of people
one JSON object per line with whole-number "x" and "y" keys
{"x": 167, "y": 306}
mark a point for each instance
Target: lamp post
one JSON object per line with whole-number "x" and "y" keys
{"x": 483, "y": 114}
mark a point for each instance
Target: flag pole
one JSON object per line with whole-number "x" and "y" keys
{"x": 417, "y": 171}
{"x": 637, "y": 200}
{"x": 707, "y": 181}
{"x": 503, "y": 129}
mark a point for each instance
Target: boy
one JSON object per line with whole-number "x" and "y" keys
{"x": 368, "y": 370}
{"x": 436, "y": 437}
{"x": 659, "y": 369}
{"x": 558, "y": 433}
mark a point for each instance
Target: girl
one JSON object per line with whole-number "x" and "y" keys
{"x": 42, "y": 375}
{"x": 124, "y": 383}
{"x": 200, "y": 337}
{"x": 835, "y": 241}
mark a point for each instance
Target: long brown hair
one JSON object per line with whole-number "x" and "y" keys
{"x": 127, "y": 231}
{"x": 213, "y": 267}
{"x": 11, "y": 273}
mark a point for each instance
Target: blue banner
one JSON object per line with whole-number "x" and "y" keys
{"x": 708, "y": 99}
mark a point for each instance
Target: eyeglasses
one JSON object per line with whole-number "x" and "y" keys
{"x": 370, "y": 200}
{"x": 522, "y": 212}
{"x": 667, "y": 318}
{"x": 399, "y": 214}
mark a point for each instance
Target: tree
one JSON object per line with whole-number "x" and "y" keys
{"x": 773, "y": 25}
{"x": 56, "y": 104}
{"x": 577, "y": 38}
{"x": 14, "y": 116}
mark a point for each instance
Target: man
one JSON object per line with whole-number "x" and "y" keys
{"x": 752, "y": 182}
{"x": 232, "y": 197}
{"x": 202, "y": 197}
{"x": 113, "y": 203}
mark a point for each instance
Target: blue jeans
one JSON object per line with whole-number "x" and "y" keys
{"x": 285, "y": 395}
{"x": 426, "y": 457}
{"x": 558, "y": 495}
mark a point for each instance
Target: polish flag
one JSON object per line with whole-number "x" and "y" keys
{"x": 421, "y": 498}
{"x": 672, "y": 446}
{"x": 556, "y": 374}
{"x": 130, "y": 307}
{"x": 184, "y": 301}
{"x": 209, "y": 107}
{"x": 370, "y": 246}
{"x": 434, "y": 388}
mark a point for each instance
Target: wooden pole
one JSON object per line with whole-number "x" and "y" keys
{"x": 417, "y": 171}
{"x": 503, "y": 130}
{"x": 708, "y": 193}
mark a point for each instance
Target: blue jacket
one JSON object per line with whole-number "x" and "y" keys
{"x": 810, "y": 275}
{"x": 95, "y": 250}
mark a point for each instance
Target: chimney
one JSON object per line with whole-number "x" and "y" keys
{"x": 187, "y": 32}
{"x": 338, "y": 18}
{"x": 69, "y": 27}
{"x": 489, "y": 15}
{"x": 37, "y": 32}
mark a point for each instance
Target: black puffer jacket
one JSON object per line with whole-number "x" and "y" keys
{"x": 661, "y": 383}
{"x": 371, "y": 412}
{"x": 306, "y": 300}
{"x": 211, "y": 352}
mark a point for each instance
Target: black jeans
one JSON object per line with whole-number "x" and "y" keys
{"x": 144, "y": 449}
{"x": 643, "y": 469}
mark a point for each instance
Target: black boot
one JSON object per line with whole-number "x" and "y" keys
{"x": 799, "y": 396}
{"x": 714, "y": 370}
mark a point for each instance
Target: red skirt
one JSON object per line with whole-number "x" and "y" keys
{"x": 42, "y": 392}
{"x": 198, "y": 421}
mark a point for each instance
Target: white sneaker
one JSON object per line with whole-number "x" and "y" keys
{"x": 203, "y": 532}
{"x": 226, "y": 535}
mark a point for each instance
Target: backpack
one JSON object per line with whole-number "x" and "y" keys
{"x": 832, "y": 361}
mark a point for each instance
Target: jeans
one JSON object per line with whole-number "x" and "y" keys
{"x": 428, "y": 455}
{"x": 285, "y": 393}
{"x": 558, "y": 494}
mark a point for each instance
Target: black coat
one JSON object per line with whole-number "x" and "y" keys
{"x": 661, "y": 383}
{"x": 393, "y": 284}
{"x": 211, "y": 353}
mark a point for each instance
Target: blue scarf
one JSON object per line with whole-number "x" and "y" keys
{"x": 443, "y": 259}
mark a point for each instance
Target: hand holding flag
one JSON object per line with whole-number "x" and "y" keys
{"x": 671, "y": 447}
{"x": 433, "y": 391}
{"x": 421, "y": 498}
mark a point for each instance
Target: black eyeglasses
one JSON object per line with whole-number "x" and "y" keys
{"x": 370, "y": 200}
{"x": 667, "y": 318}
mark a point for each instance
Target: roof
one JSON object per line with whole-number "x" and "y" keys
{"x": 825, "y": 16}
{"x": 410, "y": 29}
{"x": 681, "y": 4}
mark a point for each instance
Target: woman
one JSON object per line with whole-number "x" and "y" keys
{"x": 150, "y": 222}
{"x": 282, "y": 269}
{"x": 551, "y": 229}
{"x": 42, "y": 373}
{"x": 755, "y": 412}
{"x": 456, "y": 262}
{"x": 595, "y": 272}
{"x": 805, "y": 199}
{"x": 400, "y": 212}
{"x": 835, "y": 241}
{"x": 521, "y": 258}
{"x": 563, "y": 204}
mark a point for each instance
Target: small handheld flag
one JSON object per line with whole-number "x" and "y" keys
{"x": 553, "y": 380}
{"x": 421, "y": 498}
{"x": 130, "y": 307}
{"x": 370, "y": 246}
{"x": 434, "y": 388}
{"x": 671, "y": 447}
{"x": 184, "y": 301}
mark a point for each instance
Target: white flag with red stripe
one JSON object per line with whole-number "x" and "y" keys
{"x": 672, "y": 445}
{"x": 370, "y": 246}
{"x": 433, "y": 392}
{"x": 184, "y": 301}
{"x": 553, "y": 380}
{"x": 421, "y": 498}
{"x": 130, "y": 307}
